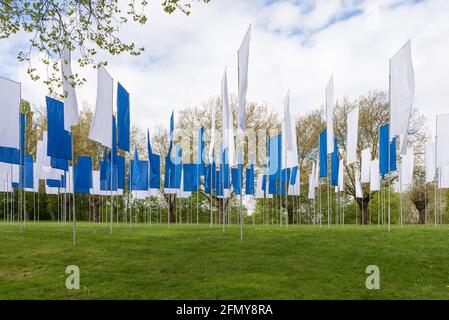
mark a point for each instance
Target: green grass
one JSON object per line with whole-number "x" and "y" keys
{"x": 196, "y": 262}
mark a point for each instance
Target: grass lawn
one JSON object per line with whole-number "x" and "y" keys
{"x": 197, "y": 262}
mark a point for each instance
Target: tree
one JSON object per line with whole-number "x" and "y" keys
{"x": 84, "y": 27}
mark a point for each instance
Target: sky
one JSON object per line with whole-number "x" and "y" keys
{"x": 295, "y": 45}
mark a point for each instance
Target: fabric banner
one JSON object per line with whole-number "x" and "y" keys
{"x": 374, "y": 176}
{"x": 335, "y": 163}
{"x": 9, "y": 109}
{"x": 366, "y": 164}
{"x": 442, "y": 151}
{"x": 352, "y": 136}
{"x": 259, "y": 190}
{"x": 274, "y": 156}
{"x": 190, "y": 176}
{"x": 121, "y": 172}
{"x": 28, "y": 180}
{"x": 358, "y": 187}
{"x": 139, "y": 175}
{"x": 83, "y": 175}
{"x": 402, "y": 90}
{"x": 71, "y": 114}
{"x": 430, "y": 162}
{"x": 323, "y": 154}
{"x": 58, "y": 163}
{"x": 236, "y": 178}
{"x": 227, "y": 123}
{"x": 59, "y": 141}
{"x": 101, "y": 128}
{"x": 243, "y": 59}
{"x": 330, "y": 104}
{"x": 200, "y": 157}
{"x": 406, "y": 170}
{"x": 341, "y": 176}
{"x": 289, "y": 133}
{"x": 123, "y": 118}
{"x": 155, "y": 171}
{"x": 249, "y": 188}
{"x": 13, "y": 155}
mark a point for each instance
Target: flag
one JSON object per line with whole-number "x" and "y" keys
{"x": 236, "y": 175}
{"x": 135, "y": 169}
{"x": 335, "y": 163}
{"x": 243, "y": 59}
{"x": 155, "y": 171}
{"x": 330, "y": 104}
{"x": 200, "y": 158}
{"x": 352, "y": 136}
{"x": 274, "y": 156}
{"x": 227, "y": 123}
{"x": 83, "y": 175}
{"x": 59, "y": 140}
{"x": 374, "y": 176}
{"x": 150, "y": 150}
{"x": 430, "y": 162}
{"x": 123, "y": 118}
{"x": 341, "y": 177}
{"x": 9, "y": 110}
{"x": 289, "y": 133}
{"x": 442, "y": 151}
{"x": 71, "y": 114}
{"x": 402, "y": 90}
{"x": 101, "y": 128}
{"x": 190, "y": 177}
{"x": 250, "y": 180}
{"x": 114, "y": 141}
{"x": 366, "y": 163}
{"x": 323, "y": 154}
{"x": 358, "y": 187}
{"x": 172, "y": 130}
{"x": 212, "y": 133}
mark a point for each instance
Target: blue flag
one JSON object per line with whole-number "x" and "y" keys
{"x": 335, "y": 164}
{"x": 28, "y": 183}
{"x": 123, "y": 118}
{"x": 59, "y": 143}
{"x": 12, "y": 155}
{"x": 250, "y": 180}
{"x": 236, "y": 174}
{"x": 323, "y": 154}
{"x": 155, "y": 171}
{"x": 83, "y": 175}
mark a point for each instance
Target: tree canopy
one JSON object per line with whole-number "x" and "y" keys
{"x": 82, "y": 26}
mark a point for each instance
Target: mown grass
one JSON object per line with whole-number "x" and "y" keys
{"x": 198, "y": 262}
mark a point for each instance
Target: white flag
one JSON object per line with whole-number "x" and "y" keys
{"x": 10, "y": 113}
{"x": 101, "y": 128}
{"x": 366, "y": 163}
{"x": 71, "y": 115}
{"x": 293, "y": 190}
{"x": 243, "y": 59}
{"x": 330, "y": 103}
{"x": 95, "y": 182}
{"x": 352, "y": 136}
{"x": 311, "y": 194}
{"x": 430, "y": 162}
{"x": 406, "y": 170}
{"x": 443, "y": 181}
{"x": 289, "y": 132}
{"x": 402, "y": 90}
{"x": 227, "y": 123}
{"x": 259, "y": 189}
{"x": 374, "y": 176}
{"x": 358, "y": 187}
{"x": 442, "y": 151}
{"x": 341, "y": 177}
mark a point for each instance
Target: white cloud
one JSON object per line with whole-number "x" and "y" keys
{"x": 293, "y": 46}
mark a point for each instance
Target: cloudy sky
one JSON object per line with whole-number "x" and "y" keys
{"x": 295, "y": 45}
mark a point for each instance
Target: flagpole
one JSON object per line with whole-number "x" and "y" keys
{"x": 73, "y": 190}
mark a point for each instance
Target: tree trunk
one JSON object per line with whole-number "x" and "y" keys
{"x": 363, "y": 210}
